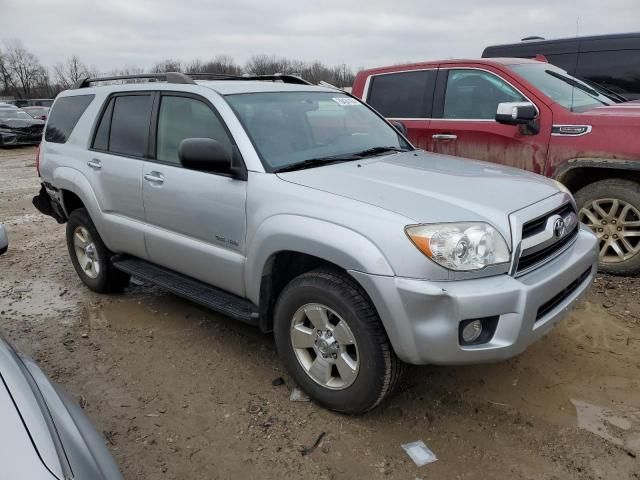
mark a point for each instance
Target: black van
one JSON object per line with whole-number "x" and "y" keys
{"x": 612, "y": 61}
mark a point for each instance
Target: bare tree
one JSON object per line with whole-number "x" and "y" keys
{"x": 23, "y": 70}
{"x": 218, "y": 64}
{"x": 69, "y": 72}
{"x": 168, "y": 65}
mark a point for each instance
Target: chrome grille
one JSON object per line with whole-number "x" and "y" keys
{"x": 544, "y": 237}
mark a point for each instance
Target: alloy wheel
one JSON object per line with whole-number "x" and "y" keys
{"x": 617, "y": 225}
{"x": 86, "y": 253}
{"x": 325, "y": 346}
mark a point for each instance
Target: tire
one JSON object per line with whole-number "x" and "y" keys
{"x": 82, "y": 236}
{"x": 611, "y": 208}
{"x": 377, "y": 367}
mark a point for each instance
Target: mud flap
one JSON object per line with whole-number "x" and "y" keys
{"x": 48, "y": 206}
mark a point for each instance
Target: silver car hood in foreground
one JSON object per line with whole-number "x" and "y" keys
{"x": 44, "y": 434}
{"x": 429, "y": 188}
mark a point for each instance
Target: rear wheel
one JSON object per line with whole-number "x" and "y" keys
{"x": 611, "y": 208}
{"x": 333, "y": 344}
{"x": 90, "y": 257}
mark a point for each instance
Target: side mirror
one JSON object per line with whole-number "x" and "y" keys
{"x": 4, "y": 240}
{"x": 516, "y": 113}
{"x": 204, "y": 155}
{"x": 399, "y": 126}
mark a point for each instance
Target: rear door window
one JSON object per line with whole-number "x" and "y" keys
{"x": 130, "y": 125}
{"x": 403, "y": 94}
{"x": 64, "y": 117}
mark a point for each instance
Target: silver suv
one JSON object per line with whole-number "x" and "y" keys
{"x": 299, "y": 209}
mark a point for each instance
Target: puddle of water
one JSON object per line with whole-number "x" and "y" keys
{"x": 37, "y": 298}
{"x": 617, "y": 427}
{"x": 166, "y": 311}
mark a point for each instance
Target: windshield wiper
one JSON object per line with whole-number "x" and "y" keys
{"x": 378, "y": 150}
{"x": 616, "y": 97}
{"x": 313, "y": 162}
{"x": 575, "y": 83}
{"x": 317, "y": 162}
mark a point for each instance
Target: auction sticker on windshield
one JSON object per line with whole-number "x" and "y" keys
{"x": 345, "y": 101}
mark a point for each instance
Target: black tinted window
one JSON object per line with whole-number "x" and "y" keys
{"x": 403, "y": 95}
{"x": 566, "y": 61}
{"x": 618, "y": 71}
{"x": 182, "y": 117}
{"x": 101, "y": 140}
{"x": 64, "y": 117}
{"x": 130, "y": 125}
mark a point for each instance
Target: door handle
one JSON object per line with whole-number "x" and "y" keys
{"x": 95, "y": 164}
{"x": 154, "y": 177}
{"x": 444, "y": 136}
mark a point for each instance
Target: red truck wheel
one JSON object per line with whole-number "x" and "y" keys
{"x": 611, "y": 208}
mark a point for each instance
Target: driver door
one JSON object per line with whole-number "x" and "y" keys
{"x": 465, "y": 126}
{"x": 195, "y": 220}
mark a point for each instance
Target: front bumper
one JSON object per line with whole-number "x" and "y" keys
{"x": 422, "y": 318}
{"x": 13, "y": 139}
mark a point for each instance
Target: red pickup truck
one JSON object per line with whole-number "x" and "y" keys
{"x": 532, "y": 115}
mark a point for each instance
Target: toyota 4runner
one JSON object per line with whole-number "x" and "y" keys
{"x": 299, "y": 209}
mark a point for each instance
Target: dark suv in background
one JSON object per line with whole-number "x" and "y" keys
{"x": 610, "y": 61}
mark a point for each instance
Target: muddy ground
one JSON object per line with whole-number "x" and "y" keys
{"x": 182, "y": 393}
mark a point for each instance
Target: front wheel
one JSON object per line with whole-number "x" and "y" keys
{"x": 611, "y": 208}
{"x": 332, "y": 342}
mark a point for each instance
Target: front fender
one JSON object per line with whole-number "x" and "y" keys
{"x": 337, "y": 244}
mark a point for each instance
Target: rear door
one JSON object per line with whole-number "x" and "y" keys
{"x": 464, "y": 123}
{"x": 406, "y": 97}
{"x": 113, "y": 166}
{"x": 195, "y": 220}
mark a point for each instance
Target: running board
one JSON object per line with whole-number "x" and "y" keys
{"x": 194, "y": 290}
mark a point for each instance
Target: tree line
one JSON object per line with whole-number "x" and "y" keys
{"x": 23, "y": 76}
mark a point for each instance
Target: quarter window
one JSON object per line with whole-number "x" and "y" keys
{"x": 64, "y": 117}
{"x": 183, "y": 117}
{"x": 403, "y": 95}
{"x": 475, "y": 95}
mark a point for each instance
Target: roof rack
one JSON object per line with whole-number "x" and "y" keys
{"x": 187, "y": 78}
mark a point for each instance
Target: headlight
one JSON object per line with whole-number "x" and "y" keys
{"x": 460, "y": 246}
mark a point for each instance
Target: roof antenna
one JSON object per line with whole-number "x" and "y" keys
{"x": 575, "y": 67}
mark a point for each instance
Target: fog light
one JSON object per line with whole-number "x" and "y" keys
{"x": 472, "y": 331}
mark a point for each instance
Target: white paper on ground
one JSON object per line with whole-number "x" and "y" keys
{"x": 419, "y": 453}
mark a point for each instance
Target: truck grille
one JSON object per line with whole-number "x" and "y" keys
{"x": 543, "y": 239}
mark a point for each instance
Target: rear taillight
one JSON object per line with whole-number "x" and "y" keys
{"x": 38, "y": 159}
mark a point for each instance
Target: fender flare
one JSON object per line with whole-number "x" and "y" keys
{"x": 71, "y": 180}
{"x": 565, "y": 168}
{"x": 337, "y": 244}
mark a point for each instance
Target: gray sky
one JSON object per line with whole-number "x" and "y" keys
{"x": 114, "y": 33}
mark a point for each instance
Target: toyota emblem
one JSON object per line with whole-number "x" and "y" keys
{"x": 559, "y": 228}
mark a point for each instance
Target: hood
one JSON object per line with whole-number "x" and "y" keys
{"x": 627, "y": 112}
{"x": 20, "y": 123}
{"x": 428, "y": 187}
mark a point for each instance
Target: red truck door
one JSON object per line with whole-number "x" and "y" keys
{"x": 404, "y": 96}
{"x": 463, "y": 123}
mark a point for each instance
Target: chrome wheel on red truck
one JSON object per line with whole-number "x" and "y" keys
{"x": 611, "y": 208}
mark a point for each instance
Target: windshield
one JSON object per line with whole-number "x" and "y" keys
{"x": 6, "y": 113}
{"x": 562, "y": 88}
{"x": 289, "y": 128}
